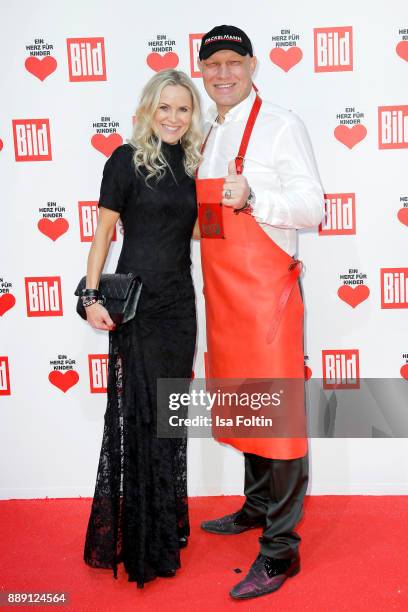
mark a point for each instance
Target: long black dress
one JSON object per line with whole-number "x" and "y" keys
{"x": 139, "y": 509}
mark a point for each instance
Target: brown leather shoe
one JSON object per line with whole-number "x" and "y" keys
{"x": 266, "y": 575}
{"x": 231, "y": 524}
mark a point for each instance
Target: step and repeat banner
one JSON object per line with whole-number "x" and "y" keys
{"x": 71, "y": 75}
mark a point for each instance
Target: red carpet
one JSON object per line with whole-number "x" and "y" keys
{"x": 354, "y": 557}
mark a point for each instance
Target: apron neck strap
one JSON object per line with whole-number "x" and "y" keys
{"x": 239, "y": 160}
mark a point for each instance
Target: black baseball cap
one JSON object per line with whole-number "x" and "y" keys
{"x": 225, "y": 37}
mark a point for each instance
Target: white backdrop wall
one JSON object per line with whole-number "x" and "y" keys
{"x": 79, "y": 67}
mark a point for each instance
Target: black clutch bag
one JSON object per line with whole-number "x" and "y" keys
{"x": 121, "y": 293}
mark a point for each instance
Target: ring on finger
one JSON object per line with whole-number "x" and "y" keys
{"x": 228, "y": 193}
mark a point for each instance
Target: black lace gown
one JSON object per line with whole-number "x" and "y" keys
{"x": 139, "y": 509}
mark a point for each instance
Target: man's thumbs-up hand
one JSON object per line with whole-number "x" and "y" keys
{"x": 236, "y": 188}
{"x": 232, "y": 168}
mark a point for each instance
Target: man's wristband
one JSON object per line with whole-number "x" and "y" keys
{"x": 242, "y": 209}
{"x": 247, "y": 207}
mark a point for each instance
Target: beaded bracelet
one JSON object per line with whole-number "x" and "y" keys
{"x": 89, "y": 300}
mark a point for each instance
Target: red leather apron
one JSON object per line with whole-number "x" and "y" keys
{"x": 254, "y": 309}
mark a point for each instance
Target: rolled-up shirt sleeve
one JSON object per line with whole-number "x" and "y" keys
{"x": 299, "y": 203}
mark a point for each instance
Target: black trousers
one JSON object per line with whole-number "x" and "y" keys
{"x": 275, "y": 490}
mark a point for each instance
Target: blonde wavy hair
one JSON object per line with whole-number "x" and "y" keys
{"x": 147, "y": 143}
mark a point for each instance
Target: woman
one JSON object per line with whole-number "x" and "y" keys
{"x": 139, "y": 513}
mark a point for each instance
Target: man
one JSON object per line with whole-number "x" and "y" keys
{"x": 254, "y": 308}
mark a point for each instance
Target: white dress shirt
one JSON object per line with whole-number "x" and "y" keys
{"x": 279, "y": 166}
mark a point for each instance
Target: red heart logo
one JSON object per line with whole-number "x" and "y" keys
{"x": 63, "y": 380}
{"x": 404, "y": 371}
{"x": 403, "y": 215}
{"x": 308, "y": 373}
{"x": 53, "y": 229}
{"x": 286, "y": 58}
{"x": 158, "y": 62}
{"x": 106, "y": 144}
{"x": 402, "y": 49}
{"x": 350, "y": 136}
{"x": 353, "y": 296}
{"x": 1, "y": 144}
{"x": 41, "y": 67}
{"x": 7, "y": 301}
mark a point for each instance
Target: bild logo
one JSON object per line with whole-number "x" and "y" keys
{"x": 4, "y": 376}
{"x": 86, "y": 59}
{"x": 394, "y": 287}
{"x": 98, "y": 373}
{"x": 333, "y": 49}
{"x": 43, "y": 296}
{"x": 340, "y": 214}
{"x": 393, "y": 127}
{"x": 88, "y": 220}
{"x": 195, "y": 42}
{"x": 341, "y": 369}
{"x": 32, "y": 140}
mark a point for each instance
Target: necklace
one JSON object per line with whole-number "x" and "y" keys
{"x": 169, "y": 154}
{"x": 171, "y": 171}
